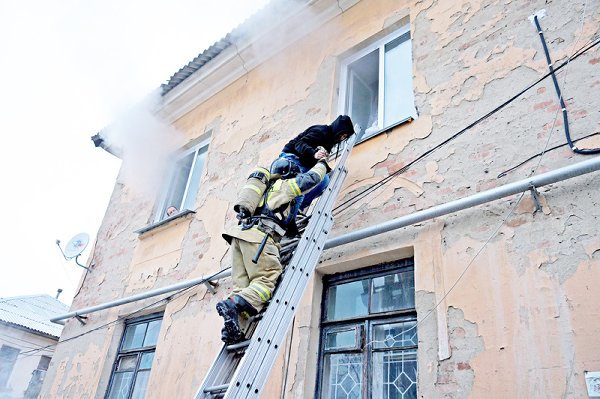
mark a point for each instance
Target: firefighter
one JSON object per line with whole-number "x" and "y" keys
{"x": 313, "y": 144}
{"x": 264, "y": 208}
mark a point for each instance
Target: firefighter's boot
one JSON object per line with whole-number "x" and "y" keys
{"x": 232, "y": 332}
{"x": 243, "y": 307}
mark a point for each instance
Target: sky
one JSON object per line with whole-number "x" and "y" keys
{"x": 68, "y": 69}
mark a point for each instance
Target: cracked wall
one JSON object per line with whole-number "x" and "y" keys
{"x": 522, "y": 319}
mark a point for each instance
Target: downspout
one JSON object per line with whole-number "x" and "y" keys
{"x": 568, "y": 172}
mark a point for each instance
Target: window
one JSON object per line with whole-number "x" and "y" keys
{"x": 8, "y": 358}
{"x": 131, "y": 370}
{"x": 368, "y": 335}
{"x": 44, "y": 363}
{"x": 376, "y": 84}
{"x": 184, "y": 181}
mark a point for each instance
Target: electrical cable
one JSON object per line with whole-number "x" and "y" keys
{"x": 492, "y": 235}
{"x": 542, "y": 153}
{"x": 560, "y": 97}
{"x": 9, "y": 339}
{"x": 352, "y": 200}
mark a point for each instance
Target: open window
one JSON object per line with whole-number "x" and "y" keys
{"x": 377, "y": 84}
{"x": 183, "y": 182}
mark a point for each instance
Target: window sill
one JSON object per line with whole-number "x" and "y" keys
{"x": 386, "y": 129}
{"x": 163, "y": 222}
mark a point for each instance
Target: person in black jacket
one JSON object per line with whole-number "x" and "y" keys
{"x": 312, "y": 145}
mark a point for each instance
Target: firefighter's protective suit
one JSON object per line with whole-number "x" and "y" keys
{"x": 254, "y": 283}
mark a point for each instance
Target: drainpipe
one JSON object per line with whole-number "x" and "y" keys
{"x": 568, "y": 172}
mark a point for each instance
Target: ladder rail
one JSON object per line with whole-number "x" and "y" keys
{"x": 237, "y": 375}
{"x": 254, "y": 368}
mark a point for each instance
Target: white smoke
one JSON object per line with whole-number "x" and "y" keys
{"x": 146, "y": 145}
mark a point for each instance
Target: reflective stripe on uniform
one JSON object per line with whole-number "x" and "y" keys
{"x": 262, "y": 293}
{"x": 275, "y": 188}
{"x": 252, "y": 187}
{"x": 294, "y": 187}
{"x": 320, "y": 169}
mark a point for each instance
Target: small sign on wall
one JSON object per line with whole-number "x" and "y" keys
{"x": 592, "y": 380}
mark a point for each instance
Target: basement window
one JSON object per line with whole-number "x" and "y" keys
{"x": 131, "y": 371}
{"x": 183, "y": 182}
{"x": 377, "y": 84}
{"x": 369, "y": 334}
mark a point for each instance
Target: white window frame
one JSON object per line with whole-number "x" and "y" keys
{"x": 164, "y": 203}
{"x": 344, "y": 104}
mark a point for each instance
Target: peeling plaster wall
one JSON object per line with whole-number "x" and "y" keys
{"x": 506, "y": 300}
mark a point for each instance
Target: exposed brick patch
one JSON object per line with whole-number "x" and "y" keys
{"x": 463, "y": 366}
{"x": 543, "y": 104}
{"x": 393, "y": 207}
{"x": 516, "y": 222}
{"x": 594, "y": 61}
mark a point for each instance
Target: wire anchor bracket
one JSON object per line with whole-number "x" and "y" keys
{"x": 535, "y": 194}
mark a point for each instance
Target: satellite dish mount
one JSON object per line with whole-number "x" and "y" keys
{"x": 75, "y": 247}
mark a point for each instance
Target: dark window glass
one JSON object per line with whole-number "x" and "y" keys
{"x": 134, "y": 336}
{"x": 348, "y": 300}
{"x": 44, "y": 363}
{"x": 134, "y": 360}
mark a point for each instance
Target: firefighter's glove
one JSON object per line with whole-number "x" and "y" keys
{"x": 326, "y": 165}
{"x": 243, "y": 213}
{"x": 292, "y": 230}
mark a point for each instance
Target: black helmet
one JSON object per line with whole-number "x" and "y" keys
{"x": 283, "y": 168}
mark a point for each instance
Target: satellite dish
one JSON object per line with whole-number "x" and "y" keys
{"x": 76, "y": 245}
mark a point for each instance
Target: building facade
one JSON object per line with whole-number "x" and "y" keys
{"x": 494, "y": 301}
{"x": 27, "y": 341}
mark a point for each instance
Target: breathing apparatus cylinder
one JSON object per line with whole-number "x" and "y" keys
{"x": 251, "y": 194}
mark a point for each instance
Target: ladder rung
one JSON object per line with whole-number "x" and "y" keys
{"x": 216, "y": 388}
{"x": 259, "y": 316}
{"x": 243, "y": 368}
{"x": 239, "y": 345}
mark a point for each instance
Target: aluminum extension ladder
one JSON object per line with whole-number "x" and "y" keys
{"x": 241, "y": 370}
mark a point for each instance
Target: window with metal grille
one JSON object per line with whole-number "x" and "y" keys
{"x": 368, "y": 334}
{"x": 132, "y": 366}
{"x": 377, "y": 84}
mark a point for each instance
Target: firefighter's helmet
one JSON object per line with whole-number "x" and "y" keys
{"x": 283, "y": 168}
